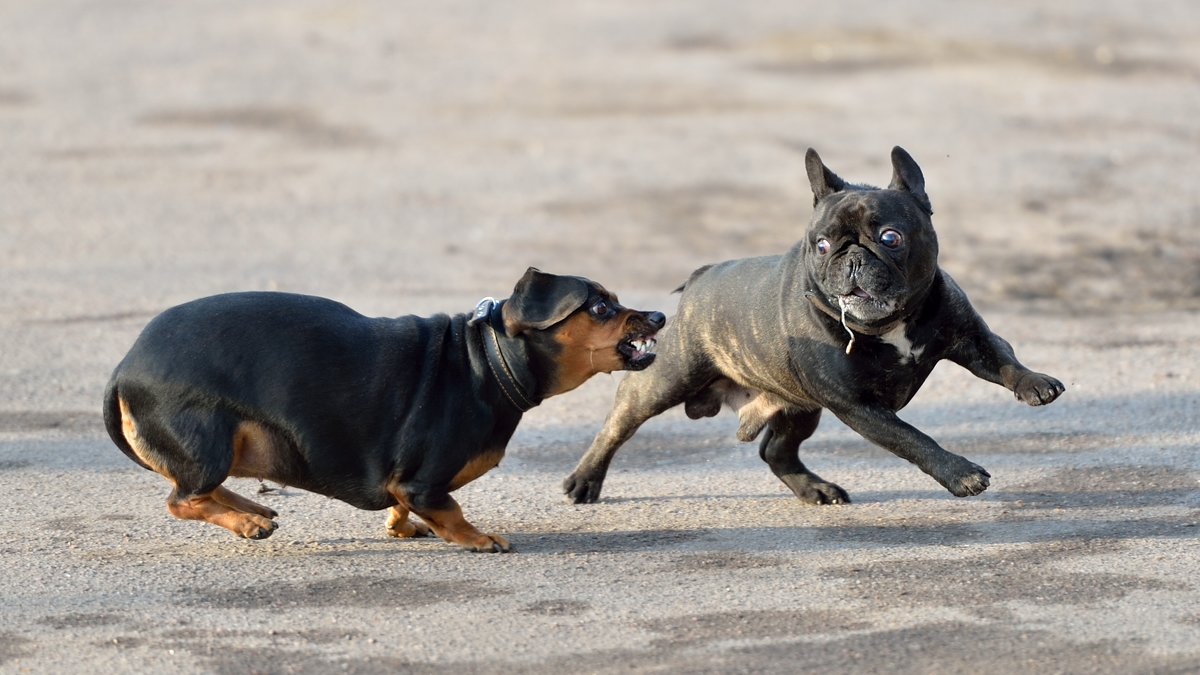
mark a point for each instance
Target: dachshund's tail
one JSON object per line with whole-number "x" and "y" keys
{"x": 114, "y": 424}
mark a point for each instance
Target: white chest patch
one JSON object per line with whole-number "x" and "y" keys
{"x": 896, "y": 337}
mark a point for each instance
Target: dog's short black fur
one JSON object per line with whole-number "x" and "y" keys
{"x": 852, "y": 319}
{"x": 377, "y": 412}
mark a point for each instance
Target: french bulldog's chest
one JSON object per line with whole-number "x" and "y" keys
{"x": 890, "y": 367}
{"x": 907, "y": 350}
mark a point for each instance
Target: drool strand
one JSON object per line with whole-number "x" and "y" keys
{"x": 850, "y": 344}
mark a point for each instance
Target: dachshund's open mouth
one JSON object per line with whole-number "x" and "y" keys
{"x": 638, "y": 351}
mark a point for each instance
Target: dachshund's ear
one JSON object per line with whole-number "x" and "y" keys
{"x": 541, "y": 300}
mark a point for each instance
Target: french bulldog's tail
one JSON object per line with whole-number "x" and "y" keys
{"x": 692, "y": 278}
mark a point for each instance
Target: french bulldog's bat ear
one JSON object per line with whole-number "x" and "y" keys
{"x": 540, "y": 300}
{"x": 907, "y": 176}
{"x": 823, "y": 181}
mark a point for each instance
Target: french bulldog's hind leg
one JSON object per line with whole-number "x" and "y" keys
{"x": 640, "y": 396}
{"x": 780, "y": 448}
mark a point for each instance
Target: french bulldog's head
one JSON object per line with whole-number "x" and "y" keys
{"x": 870, "y": 252}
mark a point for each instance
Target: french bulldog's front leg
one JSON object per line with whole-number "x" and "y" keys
{"x": 989, "y": 357}
{"x": 1031, "y": 387}
{"x": 962, "y": 477}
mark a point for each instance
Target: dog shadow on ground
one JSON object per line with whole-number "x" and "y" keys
{"x": 802, "y": 538}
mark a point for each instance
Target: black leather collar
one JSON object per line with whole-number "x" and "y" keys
{"x": 487, "y": 314}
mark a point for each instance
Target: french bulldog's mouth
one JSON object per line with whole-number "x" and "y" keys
{"x": 638, "y": 350}
{"x": 856, "y": 295}
{"x": 861, "y": 305}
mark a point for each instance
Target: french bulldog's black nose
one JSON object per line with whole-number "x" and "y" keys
{"x": 656, "y": 320}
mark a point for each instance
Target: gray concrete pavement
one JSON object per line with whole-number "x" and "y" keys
{"x": 414, "y": 157}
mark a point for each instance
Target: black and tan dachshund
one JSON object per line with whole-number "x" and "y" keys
{"x": 377, "y": 412}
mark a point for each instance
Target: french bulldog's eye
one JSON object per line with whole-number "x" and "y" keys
{"x": 600, "y": 309}
{"x": 891, "y": 238}
{"x": 822, "y": 246}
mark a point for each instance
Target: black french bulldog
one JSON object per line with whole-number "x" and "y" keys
{"x": 852, "y": 319}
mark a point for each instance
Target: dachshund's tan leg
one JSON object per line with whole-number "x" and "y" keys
{"x": 205, "y": 507}
{"x": 398, "y": 524}
{"x": 237, "y": 502}
{"x": 449, "y": 524}
{"x": 444, "y": 516}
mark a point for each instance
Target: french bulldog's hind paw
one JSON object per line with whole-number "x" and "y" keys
{"x": 811, "y": 489}
{"x": 1037, "y": 389}
{"x": 580, "y": 489}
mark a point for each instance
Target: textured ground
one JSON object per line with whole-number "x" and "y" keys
{"x": 414, "y": 157}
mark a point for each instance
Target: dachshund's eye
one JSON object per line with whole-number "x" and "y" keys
{"x": 891, "y": 238}
{"x": 822, "y": 246}
{"x": 600, "y": 308}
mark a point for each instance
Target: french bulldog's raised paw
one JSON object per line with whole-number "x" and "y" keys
{"x": 812, "y": 490}
{"x": 1037, "y": 389}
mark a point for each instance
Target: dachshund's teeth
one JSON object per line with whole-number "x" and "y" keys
{"x": 642, "y": 347}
